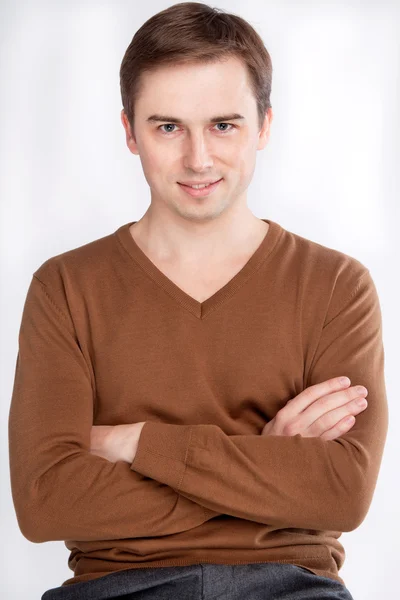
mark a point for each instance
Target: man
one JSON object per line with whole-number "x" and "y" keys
{"x": 178, "y": 417}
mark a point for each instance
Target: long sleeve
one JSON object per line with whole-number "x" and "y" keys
{"x": 303, "y": 482}
{"x": 60, "y": 490}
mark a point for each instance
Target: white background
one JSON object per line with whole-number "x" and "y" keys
{"x": 330, "y": 172}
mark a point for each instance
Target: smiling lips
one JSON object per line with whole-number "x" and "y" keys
{"x": 197, "y": 192}
{"x": 198, "y": 183}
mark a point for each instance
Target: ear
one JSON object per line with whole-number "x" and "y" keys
{"x": 263, "y": 136}
{"x": 130, "y": 140}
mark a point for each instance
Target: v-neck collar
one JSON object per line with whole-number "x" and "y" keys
{"x": 201, "y": 309}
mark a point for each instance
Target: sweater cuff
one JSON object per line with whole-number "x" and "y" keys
{"x": 162, "y": 452}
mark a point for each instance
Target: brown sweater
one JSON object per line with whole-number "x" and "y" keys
{"x": 106, "y": 338}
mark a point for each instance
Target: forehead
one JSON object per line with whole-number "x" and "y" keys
{"x": 184, "y": 90}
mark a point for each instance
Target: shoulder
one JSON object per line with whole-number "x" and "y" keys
{"x": 324, "y": 275}
{"x": 324, "y": 262}
{"x": 80, "y": 264}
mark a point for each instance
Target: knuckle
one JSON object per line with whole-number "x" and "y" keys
{"x": 309, "y": 391}
{"x": 324, "y": 402}
{"x": 291, "y": 428}
{"x": 327, "y": 421}
{"x": 309, "y": 394}
{"x": 322, "y": 424}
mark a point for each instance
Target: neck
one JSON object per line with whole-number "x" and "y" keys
{"x": 182, "y": 242}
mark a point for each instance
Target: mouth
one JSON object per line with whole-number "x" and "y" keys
{"x": 202, "y": 191}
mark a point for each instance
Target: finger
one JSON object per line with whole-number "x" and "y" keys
{"x": 340, "y": 414}
{"x": 323, "y": 415}
{"x": 339, "y": 429}
{"x": 314, "y": 392}
{"x": 330, "y": 409}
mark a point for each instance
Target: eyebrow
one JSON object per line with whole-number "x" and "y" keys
{"x": 232, "y": 117}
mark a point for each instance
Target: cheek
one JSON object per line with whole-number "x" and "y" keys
{"x": 238, "y": 149}
{"x": 153, "y": 162}
{"x": 161, "y": 158}
{"x": 242, "y": 158}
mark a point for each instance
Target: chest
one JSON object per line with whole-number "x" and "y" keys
{"x": 239, "y": 365}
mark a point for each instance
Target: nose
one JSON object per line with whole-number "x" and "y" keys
{"x": 197, "y": 155}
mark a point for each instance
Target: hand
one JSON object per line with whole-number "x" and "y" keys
{"x": 320, "y": 410}
{"x": 116, "y": 442}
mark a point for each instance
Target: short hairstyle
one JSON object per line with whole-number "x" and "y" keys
{"x": 193, "y": 32}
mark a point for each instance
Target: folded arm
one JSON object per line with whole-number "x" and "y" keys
{"x": 60, "y": 490}
{"x": 290, "y": 481}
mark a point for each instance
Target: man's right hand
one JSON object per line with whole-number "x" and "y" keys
{"x": 320, "y": 410}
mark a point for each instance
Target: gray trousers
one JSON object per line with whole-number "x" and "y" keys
{"x": 255, "y": 581}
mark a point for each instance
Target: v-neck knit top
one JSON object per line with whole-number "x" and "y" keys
{"x": 106, "y": 338}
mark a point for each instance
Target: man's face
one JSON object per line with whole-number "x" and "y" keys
{"x": 197, "y": 149}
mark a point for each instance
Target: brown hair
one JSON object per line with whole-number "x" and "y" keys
{"x": 193, "y": 32}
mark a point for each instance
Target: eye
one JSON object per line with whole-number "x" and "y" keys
{"x": 231, "y": 126}
{"x": 167, "y": 125}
